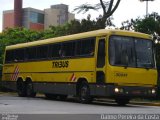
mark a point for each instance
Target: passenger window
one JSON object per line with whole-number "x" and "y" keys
{"x": 68, "y": 49}
{"x": 31, "y": 53}
{"x": 9, "y": 56}
{"x": 42, "y": 52}
{"x": 19, "y": 55}
{"x": 85, "y": 47}
{"x": 55, "y": 50}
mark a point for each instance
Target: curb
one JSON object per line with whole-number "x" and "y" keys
{"x": 133, "y": 102}
{"x": 146, "y": 103}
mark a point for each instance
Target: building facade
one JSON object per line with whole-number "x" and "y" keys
{"x": 35, "y": 19}
{"x": 57, "y": 15}
{"x": 8, "y": 19}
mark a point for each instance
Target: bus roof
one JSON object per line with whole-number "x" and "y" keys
{"x": 102, "y": 32}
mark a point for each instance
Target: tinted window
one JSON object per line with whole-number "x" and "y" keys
{"x": 19, "y": 55}
{"x": 9, "y": 56}
{"x": 85, "y": 47}
{"x": 31, "y": 53}
{"x": 15, "y": 55}
{"x": 42, "y": 52}
{"x": 68, "y": 49}
{"x": 55, "y": 49}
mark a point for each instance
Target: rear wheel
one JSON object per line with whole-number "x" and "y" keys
{"x": 122, "y": 101}
{"x": 30, "y": 90}
{"x": 21, "y": 89}
{"x": 84, "y": 93}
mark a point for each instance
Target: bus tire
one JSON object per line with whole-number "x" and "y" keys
{"x": 62, "y": 97}
{"x": 50, "y": 96}
{"x": 84, "y": 93}
{"x": 30, "y": 89}
{"x": 122, "y": 101}
{"x": 21, "y": 88}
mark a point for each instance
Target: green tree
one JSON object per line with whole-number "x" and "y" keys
{"x": 149, "y": 25}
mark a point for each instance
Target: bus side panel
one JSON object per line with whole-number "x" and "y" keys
{"x": 56, "y": 88}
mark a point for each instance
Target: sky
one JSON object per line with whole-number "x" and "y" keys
{"x": 126, "y": 10}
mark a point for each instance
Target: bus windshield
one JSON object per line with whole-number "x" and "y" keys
{"x": 131, "y": 52}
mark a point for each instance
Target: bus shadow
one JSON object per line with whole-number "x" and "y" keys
{"x": 94, "y": 102}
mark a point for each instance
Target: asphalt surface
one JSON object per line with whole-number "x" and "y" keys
{"x": 39, "y": 108}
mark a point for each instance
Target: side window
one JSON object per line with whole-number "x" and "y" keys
{"x": 42, "y": 52}
{"x": 85, "y": 47}
{"x": 15, "y": 55}
{"x": 9, "y": 56}
{"x": 31, "y": 53}
{"x": 78, "y": 48}
{"x": 144, "y": 53}
{"x": 68, "y": 49}
{"x": 55, "y": 49}
{"x": 19, "y": 55}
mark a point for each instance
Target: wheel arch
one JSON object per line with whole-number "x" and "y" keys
{"x": 28, "y": 79}
{"x": 19, "y": 80}
{"x": 79, "y": 82}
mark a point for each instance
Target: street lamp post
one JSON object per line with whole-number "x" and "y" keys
{"x": 146, "y": 5}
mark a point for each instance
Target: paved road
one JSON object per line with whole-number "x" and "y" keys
{"x": 29, "y": 107}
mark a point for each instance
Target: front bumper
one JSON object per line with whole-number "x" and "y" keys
{"x": 108, "y": 90}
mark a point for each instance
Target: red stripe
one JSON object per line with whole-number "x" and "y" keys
{"x": 15, "y": 73}
{"x": 72, "y": 77}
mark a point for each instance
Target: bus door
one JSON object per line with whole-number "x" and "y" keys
{"x": 101, "y": 61}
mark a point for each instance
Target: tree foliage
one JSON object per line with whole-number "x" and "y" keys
{"x": 149, "y": 25}
{"x": 107, "y": 7}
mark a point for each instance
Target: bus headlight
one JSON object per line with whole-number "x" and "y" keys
{"x": 153, "y": 91}
{"x": 116, "y": 90}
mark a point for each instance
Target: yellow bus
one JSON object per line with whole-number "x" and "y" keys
{"x": 103, "y": 63}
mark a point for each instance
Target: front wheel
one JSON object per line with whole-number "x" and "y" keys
{"x": 62, "y": 97}
{"x": 122, "y": 101}
{"x": 84, "y": 93}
